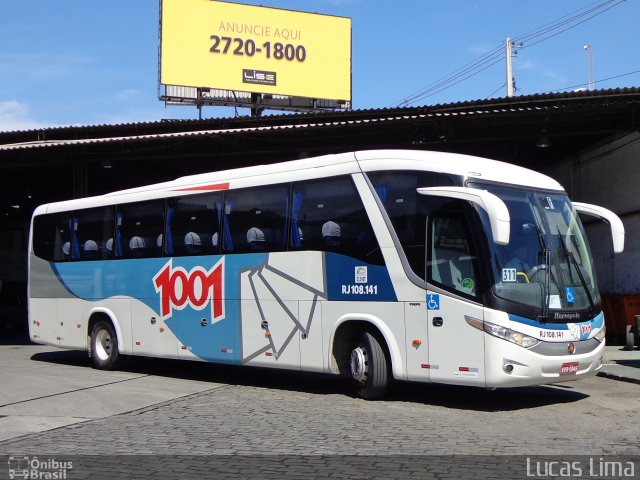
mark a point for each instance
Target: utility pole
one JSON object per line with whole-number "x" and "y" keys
{"x": 511, "y": 50}
{"x": 589, "y": 50}
{"x": 507, "y": 45}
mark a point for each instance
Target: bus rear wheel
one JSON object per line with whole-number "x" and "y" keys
{"x": 104, "y": 346}
{"x": 368, "y": 366}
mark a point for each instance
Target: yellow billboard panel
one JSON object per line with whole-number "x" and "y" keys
{"x": 229, "y": 46}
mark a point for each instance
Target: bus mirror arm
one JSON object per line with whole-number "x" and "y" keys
{"x": 490, "y": 203}
{"x": 617, "y": 228}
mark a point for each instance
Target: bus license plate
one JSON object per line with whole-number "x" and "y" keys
{"x": 569, "y": 368}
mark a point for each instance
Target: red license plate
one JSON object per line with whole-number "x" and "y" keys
{"x": 569, "y": 368}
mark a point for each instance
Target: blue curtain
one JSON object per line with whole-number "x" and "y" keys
{"x": 118, "y": 238}
{"x": 283, "y": 242}
{"x": 168, "y": 237}
{"x": 217, "y": 246}
{"x": 75, "y": 248}
{"x": 226, "y": 232}
{"x": 295, "y": 209}
{"x": 383, "y": 192}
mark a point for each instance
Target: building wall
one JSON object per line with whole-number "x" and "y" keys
{"x": 609, "y": 175}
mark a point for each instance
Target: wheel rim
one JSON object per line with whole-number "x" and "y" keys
{"x": 103, "y": 345}
{"x": 359, "y": 366}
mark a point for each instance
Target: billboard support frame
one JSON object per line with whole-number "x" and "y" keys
{"x": 257, "y": 102}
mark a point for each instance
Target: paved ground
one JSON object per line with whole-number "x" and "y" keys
{"x": 171, "y": 416}
{"x": 621, "y": 364}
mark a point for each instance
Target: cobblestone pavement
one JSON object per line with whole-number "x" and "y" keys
{"x": 311, "y": 420}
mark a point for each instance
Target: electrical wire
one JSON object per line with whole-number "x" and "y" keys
{"x": 450, "y": 83}
{"x": 546, "y": 31}
{"x": 596, "y": 81}
{"x": 568, "y": 18}
{"x": 480, "y": 61}
{"x": 495, "y": 91}
{"x": 570, "y": 27}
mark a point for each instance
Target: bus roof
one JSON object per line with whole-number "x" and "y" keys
{"x": 456, "y": 164}
{"x": 328, "y": 165}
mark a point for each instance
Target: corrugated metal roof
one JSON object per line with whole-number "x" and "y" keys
{"x": 196, "y": 133}
{"x": 95, "y": 134}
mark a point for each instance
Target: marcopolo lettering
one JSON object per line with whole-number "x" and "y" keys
{"x": 566, "y": 316}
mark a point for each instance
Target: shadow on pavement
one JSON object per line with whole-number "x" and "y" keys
{"x": 456, "y": 397}
{"x": 483, "y": 400}
{"x": 629, "y": 363}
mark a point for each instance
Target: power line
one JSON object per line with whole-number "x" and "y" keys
{"x": 495, "y": 91}
{"x": 497, "y": 51}
{"x": 568, "y": 18}
{"x": 572, "y": 26}
{"x": 454, "y": 78}
{"x": 434, "y": 91}
{"x": 596, "y": 81}
{"x": 547, "y": 31}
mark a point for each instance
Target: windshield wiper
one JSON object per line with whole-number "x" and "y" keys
{"x": 570, "y": 257}
{"x": 546, "y": 286}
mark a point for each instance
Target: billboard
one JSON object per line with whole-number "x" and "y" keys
{"x": 210, "y": 44}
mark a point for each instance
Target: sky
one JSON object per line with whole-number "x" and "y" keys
{"x": 84, "y": 62}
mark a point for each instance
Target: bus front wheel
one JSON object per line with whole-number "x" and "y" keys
{"x": 368, "y": 366}
{"x": 104, "y": 346}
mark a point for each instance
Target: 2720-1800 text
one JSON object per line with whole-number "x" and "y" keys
{"x": 248, "y": 47}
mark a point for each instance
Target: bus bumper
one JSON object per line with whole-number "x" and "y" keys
{"x": 508, "y": 365}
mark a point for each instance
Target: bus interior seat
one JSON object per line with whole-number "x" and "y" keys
{"x": 331, "y": 234}
{"x": 137, "y": 246}
{"x": 256, "y": 240}
{"x": 90, "y": 250}
{"x": 192, "y": 243}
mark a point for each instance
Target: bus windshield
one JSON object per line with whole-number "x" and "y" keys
{"x": 547, "y": 263}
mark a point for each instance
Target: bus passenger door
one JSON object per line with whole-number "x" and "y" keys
{"x": 456, "y": 353}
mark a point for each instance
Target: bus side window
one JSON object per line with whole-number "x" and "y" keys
{"x": 192, "y": 225}
{"x": 330, "y": 217}
{"x": 256, "y": 219}
{"x": 452, "y": 263}
{"x": 407, "y": 210}
{"x": 52, "y": 237}
{"x": 137, "y": 228}
{"x": 93, "y": 227}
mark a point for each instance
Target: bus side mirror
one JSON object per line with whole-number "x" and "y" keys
{"x": 490, "y": 203}
{"x": 617, "y": 228}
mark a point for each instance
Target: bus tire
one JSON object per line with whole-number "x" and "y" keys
{"x": 104, "y": 346}
{"x": 368, "y": 367}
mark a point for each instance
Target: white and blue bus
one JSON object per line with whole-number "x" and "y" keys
{"x": 379, "y": 265}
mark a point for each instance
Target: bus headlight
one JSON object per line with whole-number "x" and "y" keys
{"x": 601, "y": 334}
{"x": 525, "y": 341}
{"x": 518, "y": 338}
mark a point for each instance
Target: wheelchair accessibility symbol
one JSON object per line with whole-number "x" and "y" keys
{"x": 570, "y": 294}
{"x": 433, "y": 301}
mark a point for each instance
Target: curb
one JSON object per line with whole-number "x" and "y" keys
{"x": 621, "y": 378}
